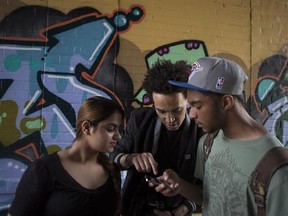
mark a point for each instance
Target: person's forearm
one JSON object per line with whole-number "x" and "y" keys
{"x": 191, "y": 192}
{"x": 126, "y": 160}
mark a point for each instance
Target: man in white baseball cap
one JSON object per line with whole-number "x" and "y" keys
{"x": 214, "y": 92}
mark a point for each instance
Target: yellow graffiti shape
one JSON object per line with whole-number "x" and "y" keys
{"x": 8, "y": 130}
{"x": 53, "y": 148}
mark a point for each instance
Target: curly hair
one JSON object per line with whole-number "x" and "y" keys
{"x": 156, "y": 79}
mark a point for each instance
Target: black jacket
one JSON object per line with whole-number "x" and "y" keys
{"x": 139, "y": 136}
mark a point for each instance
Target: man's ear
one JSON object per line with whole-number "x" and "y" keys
{"x": 228, "y": 101}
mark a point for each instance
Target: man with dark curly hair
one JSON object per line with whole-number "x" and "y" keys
{"x": 155, "y": 139}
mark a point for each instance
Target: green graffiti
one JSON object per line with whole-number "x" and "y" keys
{"x": 29, "y": 125}
{"x": 36, "y": 124}
{"x": 2, "y": 117}
{"x": 140, "y": 95}
{"x": 12, "y": 63}
{"x": 188, "y": 50}
{"x": 265, "y": 87}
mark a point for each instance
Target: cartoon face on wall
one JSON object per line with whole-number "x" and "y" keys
{"x": 187, "y": 50}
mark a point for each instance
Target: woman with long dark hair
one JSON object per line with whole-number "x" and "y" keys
{"x": 80, "y": 180}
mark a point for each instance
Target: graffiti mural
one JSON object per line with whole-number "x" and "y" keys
{"x": 269, "y": 99}
{"x": 50, "y": 63}
{"x": 187, "y": 50}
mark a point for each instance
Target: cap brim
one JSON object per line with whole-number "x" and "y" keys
{"x": 187, "y": 86}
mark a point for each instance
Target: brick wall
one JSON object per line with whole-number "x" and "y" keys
{"x": 85, "y": 48}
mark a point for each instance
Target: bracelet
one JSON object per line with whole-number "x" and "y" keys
{"x": 127, "y": 164}
{"x": 118, "y": 158}
{"x": 190, "y": 205}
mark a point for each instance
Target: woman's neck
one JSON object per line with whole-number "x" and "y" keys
{"x": 81, "y": 153}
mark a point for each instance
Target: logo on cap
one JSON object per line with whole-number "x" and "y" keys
{"x": 196, "y": 67}
{"x": 220, "y": 83}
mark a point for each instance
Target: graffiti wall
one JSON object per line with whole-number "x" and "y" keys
{"x": 269, "y": 99}
{"x": 51, "y": 61}
{"x": 47, "y": 70}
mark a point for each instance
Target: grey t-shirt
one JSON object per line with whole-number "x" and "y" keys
{"x": 226, "y": 176}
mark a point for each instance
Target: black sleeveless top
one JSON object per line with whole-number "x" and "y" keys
{"x": 46, "y": 188}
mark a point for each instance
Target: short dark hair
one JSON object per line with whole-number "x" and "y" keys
{"x": 156, "y": 79}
